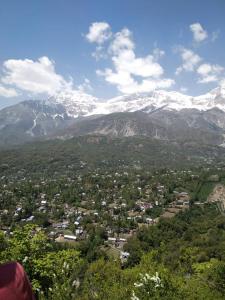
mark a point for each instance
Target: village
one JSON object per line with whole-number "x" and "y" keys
{"x": 70, "y": 206}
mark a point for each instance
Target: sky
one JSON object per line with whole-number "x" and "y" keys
{"x": 110, "y": 48}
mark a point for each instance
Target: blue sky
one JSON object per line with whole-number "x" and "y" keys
{"x": 133, "y": 46}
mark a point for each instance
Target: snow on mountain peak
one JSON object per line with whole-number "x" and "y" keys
{"x": 169, "y": 100}
{"x": 154, "y": 100}
{"x": 78, "y": 103}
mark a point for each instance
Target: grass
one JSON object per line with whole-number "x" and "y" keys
{"x": 204, "y": 191}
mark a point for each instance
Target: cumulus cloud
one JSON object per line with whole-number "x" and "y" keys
{"x": 122, "y": 41}
{"x": 126, "y": 84}
{"x": 8, "y": 92}
{"x": 36, "y": 77}
{"x": 199, "y": 34}
{"x": 140, "y": 66}
{"x": 132, "y": 74}
{"x": 99, "y": 32}
{"x": 209, "y": 73}
{"x": 190, "y": 60}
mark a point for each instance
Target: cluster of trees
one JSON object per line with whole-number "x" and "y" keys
{"x": 180, "y": 258}
{"x": 54, "y": 156}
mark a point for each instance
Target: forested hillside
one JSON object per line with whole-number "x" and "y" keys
{"x": 180, "y": 258}
{"x": 93, "y": 230}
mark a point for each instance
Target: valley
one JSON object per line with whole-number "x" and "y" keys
{"x": 112, "y": 150}
{"x": 130, "y": 185}
{"x": 111, "y": 213}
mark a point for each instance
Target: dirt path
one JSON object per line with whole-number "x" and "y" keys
{"x": 218, "y": 196}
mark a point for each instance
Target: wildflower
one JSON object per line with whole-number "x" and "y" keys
{"x": 134, "y": 297}
{"x": 76, "y": 283}
{"x": 25, "y": 259}
{"x": 156, "y": 280}
{"x": 138, "y": 284}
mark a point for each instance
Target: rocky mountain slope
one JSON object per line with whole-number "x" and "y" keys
{"x": 31, "y": 119}
{"x": 206, "y": 127}
{"x": 160, "y": 115}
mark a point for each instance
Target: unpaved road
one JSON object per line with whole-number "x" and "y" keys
{"x": 218, "y": 195}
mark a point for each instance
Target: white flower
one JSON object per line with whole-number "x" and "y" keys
{"x": 76, "y": 283}
{"x": 25, "y": 259}
{"x": 134, "y": 297}
{"x": 138, "y": 284}
{"x": 156, "y": 280}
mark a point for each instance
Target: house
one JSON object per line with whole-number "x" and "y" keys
{"x": 79, "y": 231}
{"x": 124, "y": 256}
{"x": 66, "y": 238}
{"x": 149, "y": 220}
{"x": 112, "y": 240}
{"x": 70, "y": 237}
{"x": 63, "y": 224}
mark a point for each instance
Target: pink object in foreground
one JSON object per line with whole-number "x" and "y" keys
{"x": 14, "y": 283}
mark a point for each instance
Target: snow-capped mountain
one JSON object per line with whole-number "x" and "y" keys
{"x": 160, "y": 114}
{"x": 76, "y": 103}
{"x": 215, "y": 98}
{"x": 163, "y": 99}
{"x": 152, "y": 101}
{"x": 31, "y": 119}
{"x": 79, "y": 104}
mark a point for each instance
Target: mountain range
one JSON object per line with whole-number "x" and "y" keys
{"x": 160, "y": 115}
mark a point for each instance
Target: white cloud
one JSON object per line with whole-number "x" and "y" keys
{"x": 127, "y": 67}
{"x": 99, "y": 32}
{"x": 120, "y": 78}
{"x": 128, "y": 85}
{"x": 189, "y": 58}
{"x": 199, "y": 34}
{"x": 122, "y": 41}
{"x": 142, "y": 66}
{"x": 8, "y": 92}
{"x": 85, "y": 86}
{"x": 36, "y": 77}
{"x": 147, "y": 85}
{"x": 209, "y": 73}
